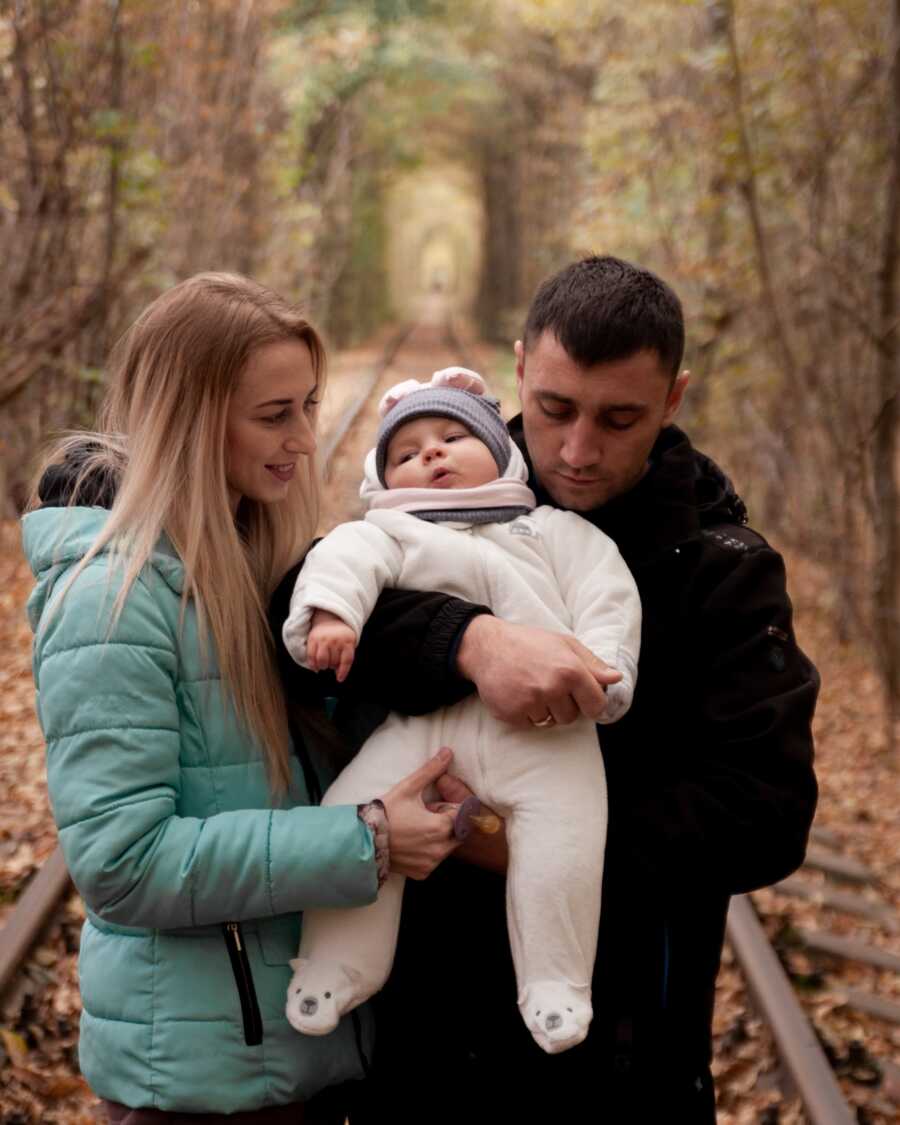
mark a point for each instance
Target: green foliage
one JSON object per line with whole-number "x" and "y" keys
{"x": 110, "y": 126}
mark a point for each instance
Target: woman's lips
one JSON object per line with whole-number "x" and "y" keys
{"x": 282, "y": 472}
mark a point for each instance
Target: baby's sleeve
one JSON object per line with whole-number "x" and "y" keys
{"x": 602, "y": 597}
{"x": 344, "y": 574}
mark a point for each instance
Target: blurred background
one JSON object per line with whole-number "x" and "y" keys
{"x": 364, "y": 157}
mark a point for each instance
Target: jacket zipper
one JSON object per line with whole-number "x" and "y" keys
{"x": 243, "y": 978}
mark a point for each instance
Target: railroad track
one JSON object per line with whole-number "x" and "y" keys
{"x": 809, "y": 1070}
{"x": 414, "y": 350}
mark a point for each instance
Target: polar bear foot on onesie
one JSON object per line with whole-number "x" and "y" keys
{"x": 320, "y": 992}
{"x": 556, "y": 1013}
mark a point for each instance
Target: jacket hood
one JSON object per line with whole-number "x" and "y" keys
{"x": 54, "y": 539}
{"x": 61, "y": 481}
{"x": 714, "y": 495}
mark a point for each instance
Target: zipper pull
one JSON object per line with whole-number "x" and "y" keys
{"x": 235, "y": 930}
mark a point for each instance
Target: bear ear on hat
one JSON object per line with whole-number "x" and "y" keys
{"x": 391, "y": 397}
{"x": 460, "y": 379}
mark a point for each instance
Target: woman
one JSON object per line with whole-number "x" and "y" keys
{"x": 182, "y": 811}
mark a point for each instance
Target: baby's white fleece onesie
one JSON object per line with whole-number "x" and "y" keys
{"x": 550, "y": 569}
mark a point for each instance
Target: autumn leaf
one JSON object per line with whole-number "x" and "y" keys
{"x": 16, "y": 1047}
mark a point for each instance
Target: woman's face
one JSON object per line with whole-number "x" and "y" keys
{"x": 271, "y": 422}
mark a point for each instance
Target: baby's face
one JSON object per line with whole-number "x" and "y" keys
{"x": 437, "y": 453}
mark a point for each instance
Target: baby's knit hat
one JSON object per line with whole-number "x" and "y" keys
{"x": 454, "y": 392}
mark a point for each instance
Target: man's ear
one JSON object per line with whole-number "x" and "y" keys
{"x": 519, "y": 349}
{"x": 676, "y": 395}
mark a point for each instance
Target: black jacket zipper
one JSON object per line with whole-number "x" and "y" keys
{"x": 243, "y": 978}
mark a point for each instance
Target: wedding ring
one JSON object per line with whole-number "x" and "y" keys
{"x": 548, "y": 721}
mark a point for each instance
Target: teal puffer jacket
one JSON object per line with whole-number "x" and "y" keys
{"x": 167, "y": 826}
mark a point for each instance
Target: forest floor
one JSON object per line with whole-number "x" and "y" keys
{"x": 39, "y": 1080}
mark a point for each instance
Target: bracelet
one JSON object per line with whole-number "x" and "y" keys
{"x": 373, "y": 815}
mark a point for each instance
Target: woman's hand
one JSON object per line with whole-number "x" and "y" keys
{"x": 419, "y": 838}
{"x": 487, "y": 850}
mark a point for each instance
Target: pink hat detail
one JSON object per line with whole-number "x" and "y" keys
{"x": 455, "y": 378}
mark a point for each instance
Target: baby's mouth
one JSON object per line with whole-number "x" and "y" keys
{"x": 439, "y": 475}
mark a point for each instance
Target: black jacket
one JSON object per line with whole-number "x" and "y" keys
{"x": 711, "y": 793}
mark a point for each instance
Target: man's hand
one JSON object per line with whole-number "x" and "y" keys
{"x": 525, "y": 675}
{"x": 331, "y": 644}
{"x": 484, "y": 850}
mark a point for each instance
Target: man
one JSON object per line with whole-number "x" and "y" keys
{"x": 711, "y": 788}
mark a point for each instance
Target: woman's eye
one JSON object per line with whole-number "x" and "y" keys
{"x": 311, "y": 403}
{"x": 274, "y": 419}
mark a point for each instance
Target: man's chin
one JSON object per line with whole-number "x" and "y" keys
{"x": 577, "y": 497}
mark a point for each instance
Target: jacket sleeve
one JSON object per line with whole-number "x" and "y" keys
{"x": 733, "y": 810}
{"x": 344, "y": 574}
{"x": 602, "y": 598}
{"x": 405, "y": 659}
{"x": 109, "y": 707}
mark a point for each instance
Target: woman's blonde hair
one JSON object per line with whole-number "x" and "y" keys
{"x": 161, "y": 436}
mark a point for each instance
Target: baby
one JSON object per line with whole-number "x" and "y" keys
{"x": 450, "y": 510}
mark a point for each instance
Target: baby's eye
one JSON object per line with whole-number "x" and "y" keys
{"x": 455, "y": 437}
{"x": 404, "y": 457}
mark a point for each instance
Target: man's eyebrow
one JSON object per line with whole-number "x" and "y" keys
{"x": 274, "y": 402}
{"x": 564, "y": 400}
{"x": 554, "y": 396}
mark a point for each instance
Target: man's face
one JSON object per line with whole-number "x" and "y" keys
{"x": 590, "y": 430}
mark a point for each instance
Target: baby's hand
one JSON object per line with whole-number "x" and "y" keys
{"x": 331, "y": 644}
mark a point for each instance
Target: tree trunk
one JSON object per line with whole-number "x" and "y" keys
{"x": 887, "y": 581}
{"x": 498, "y": 293}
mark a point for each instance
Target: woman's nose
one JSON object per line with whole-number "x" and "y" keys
{"x": 302, "y": 440}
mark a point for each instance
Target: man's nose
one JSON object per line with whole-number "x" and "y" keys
{"x": 581, "y": 446}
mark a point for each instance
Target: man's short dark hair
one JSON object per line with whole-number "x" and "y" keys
{"x": 603, "y": 309}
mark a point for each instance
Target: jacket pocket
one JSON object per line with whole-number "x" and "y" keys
{"x": 243, "y": 979}
{"x": 279, "y": 938}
